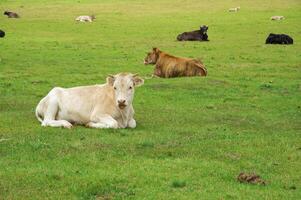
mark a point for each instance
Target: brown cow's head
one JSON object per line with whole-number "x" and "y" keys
{"x": 123, "y": 85}
{"x": 152, "y": 57}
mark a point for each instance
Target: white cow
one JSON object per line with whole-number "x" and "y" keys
{"x": 277, "y": 17}
{"x": 85, "y": 18}
{"x": 234, "y": 9}
{"x": 99, "y": 106}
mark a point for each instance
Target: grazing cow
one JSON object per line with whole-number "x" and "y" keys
{"x": 11, "y": 14}
{"x": 234, "y": 9}
{"x": 279, "y": 39}
{"x": 168, "y": 66}
{"x": 198, "y": 35}
{"x": 277, "y": 17}
{"x": 99, "y": 106}
{"x": 85, "y": 18}
{"x": 2, "y": 33}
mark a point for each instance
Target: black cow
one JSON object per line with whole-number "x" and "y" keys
{"x": 11, "y": 14}
{"x": 198, "y": 35}
{"x": 279, "y": 39}
{"x": 2, "y": 33}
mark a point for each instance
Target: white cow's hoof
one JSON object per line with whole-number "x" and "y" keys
{"x": 132, "y": 123}
{"x": 67, "y": 125}
{"x": 114, "y": 125}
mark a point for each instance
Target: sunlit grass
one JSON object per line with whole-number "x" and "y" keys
{"x": 193, "y": 135}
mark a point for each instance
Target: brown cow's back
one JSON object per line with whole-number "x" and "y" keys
{"x": 172, "y": 66}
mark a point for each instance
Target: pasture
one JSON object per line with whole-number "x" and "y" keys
{"x": 193, "y": 136}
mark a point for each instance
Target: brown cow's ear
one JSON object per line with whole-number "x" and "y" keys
{"x": 137, "y": 80}
{"x": 155, "y": 49}
{"x": 110, "y": 80}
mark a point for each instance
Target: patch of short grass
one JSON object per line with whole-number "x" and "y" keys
{"x": 193, "y": 136}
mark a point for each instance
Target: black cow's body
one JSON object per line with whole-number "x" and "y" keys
{"x": 197, "y": 35}
{"x": 2, "y": 33}
{"x": 279, "y": 39}
{"x": 11, "y": 14}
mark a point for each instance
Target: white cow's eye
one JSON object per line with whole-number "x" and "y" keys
{"x": 130, "y": 87}
{"x": 115, "y": 88}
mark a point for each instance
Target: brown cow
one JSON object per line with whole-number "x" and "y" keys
{"x": 168, "y": 66}
{"x": 11, "y": 14}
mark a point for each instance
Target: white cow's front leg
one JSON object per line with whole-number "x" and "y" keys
{"x": 57, "y": 123}
{"x": 103, "y": 122}
{"x": 132, "y": 123}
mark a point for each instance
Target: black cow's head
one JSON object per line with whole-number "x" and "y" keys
{"x": 204, "y": 29}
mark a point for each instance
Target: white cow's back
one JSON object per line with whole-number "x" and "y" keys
{"x": 84, "y": 19}
{"x": 77, "y": 104}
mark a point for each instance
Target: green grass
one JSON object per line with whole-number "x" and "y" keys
{"x": 193, "y": 136}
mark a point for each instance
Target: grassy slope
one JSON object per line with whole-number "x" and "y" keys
{"x": 245, "y": 116}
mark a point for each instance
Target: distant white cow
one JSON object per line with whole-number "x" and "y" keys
{"x": 234, "y": 9}
{"x": 277, "y": 17}
{"x": 99, "y": 106}
{"x": 85, "y": 18}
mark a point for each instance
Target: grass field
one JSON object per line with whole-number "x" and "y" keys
{"x": 193, "y": 135}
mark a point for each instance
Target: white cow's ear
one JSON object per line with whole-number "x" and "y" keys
{"x": 110, "y": 80}
{"x": 137, "y": 80}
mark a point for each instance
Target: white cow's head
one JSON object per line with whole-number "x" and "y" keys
{"x": 123, "y": 85}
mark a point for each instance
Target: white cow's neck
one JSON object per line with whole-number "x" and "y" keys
{"x": 124, "y": 114}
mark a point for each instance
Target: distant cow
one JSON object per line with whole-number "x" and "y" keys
{"x": 198, "y": 35}
{"x": 11, "y": 14}
{"x": 277, "y": 17}
{"x": 98, "y": 106}
{"x": 168, "y": 66}
{"x": 85, "y": 18}
{"x": 2, "y": 33}
{"x": 279, "y": 39}
{"x": 234, "y": 9}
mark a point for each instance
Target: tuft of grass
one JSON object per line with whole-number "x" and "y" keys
{"x": 178, "y": 184}
{"x": 107, "y": 190}
{"x": 146, "y": 144}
